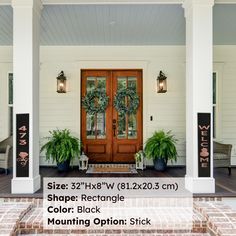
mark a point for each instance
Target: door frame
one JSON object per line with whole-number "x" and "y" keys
{"x": 114, "y": 65}
{"x": 117, "y": 143}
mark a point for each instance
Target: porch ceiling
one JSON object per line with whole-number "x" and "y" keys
{"x": 160, "y": 24}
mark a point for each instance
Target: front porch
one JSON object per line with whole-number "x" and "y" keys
{"x": 225, "y": 184}
{"x": 193, "y": 42}
{"x": 23, "y": 214}
{"x": 113, "y": 36}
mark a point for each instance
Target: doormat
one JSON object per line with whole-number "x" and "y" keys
{"x": 112, "y": 170}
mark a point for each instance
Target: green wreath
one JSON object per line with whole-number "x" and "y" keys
{"x": 93, "y": 105}
{"x": 120, "y": 104}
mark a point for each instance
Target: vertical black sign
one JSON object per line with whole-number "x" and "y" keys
{"x": 204, "y": 144}
{"x": 22, "y": 145}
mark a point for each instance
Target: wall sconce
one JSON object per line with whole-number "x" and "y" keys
{"x": 161, "y": 83}
{"x": 61, "y": 83}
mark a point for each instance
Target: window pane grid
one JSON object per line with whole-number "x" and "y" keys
{"x": 127, "y": 124}
{"x": 96, "y": 124}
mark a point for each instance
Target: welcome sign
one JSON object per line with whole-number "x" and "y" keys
{"x": 204, "y": 144}
{"x": 22, "y": 145}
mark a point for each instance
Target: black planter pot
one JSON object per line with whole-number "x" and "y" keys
{"x": 63, "y": 166}
{"x": 160, "y": 164}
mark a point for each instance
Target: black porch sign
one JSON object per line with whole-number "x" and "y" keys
{"x": 22, "y": 145}
{"x": 204, "y": 144}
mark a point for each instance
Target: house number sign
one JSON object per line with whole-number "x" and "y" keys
{"x": 204, "y": 144}
{"x": 22, "y": 145}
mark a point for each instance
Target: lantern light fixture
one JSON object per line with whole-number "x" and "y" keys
{"x": 161, "y": 83}
{"x": 83, "y": 162}
{"x": 61, "y": 83}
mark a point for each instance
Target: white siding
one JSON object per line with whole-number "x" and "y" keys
{"x": 226, "y": 56}
{"x": 225, "y": 66}
{"x": 168, "y": 110}
{"x": 5, "y": 68}
{"x": 63, "y": 110}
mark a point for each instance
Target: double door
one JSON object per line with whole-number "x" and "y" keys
{"x": 112, "y": 136}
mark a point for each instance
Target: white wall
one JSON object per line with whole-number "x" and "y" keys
{"x": 5, "y": 68}
{"x": 225, "y": 65}
{"x": 168, "y": 110}
{"x": 63, "y": 110}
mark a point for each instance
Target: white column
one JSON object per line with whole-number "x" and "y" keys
{"x": 199, "y": 62}
{"x": 26, "y": 30}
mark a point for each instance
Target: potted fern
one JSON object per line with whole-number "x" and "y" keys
{"x": 61, "y": 147}
{"x": 161, "y": 148}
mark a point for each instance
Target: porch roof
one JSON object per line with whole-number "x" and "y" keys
{"x": 124, "y": 24}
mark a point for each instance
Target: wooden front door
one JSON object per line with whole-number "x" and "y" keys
{"x": 111, "y": 136}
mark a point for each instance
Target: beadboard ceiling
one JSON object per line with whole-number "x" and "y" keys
{"x": 162, "y": 24}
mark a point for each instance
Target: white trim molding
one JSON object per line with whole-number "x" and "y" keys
{"x": 200, "y": 185}
{"x": 115, "y": 64}
{"x": 36, "y": 5}
{"x": 218, "y": 69}
{"x": 5, "y": 2}
{"x": 31, "y": 185}
{"x": 71, "y": 2}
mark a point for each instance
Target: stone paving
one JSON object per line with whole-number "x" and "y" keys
{"x": 24, "y": 217}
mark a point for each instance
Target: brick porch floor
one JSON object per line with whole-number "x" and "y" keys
{"x": 23, "y": 216}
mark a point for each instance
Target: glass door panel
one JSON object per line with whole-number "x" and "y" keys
{"x": 96, "y": 124}
{"x": 132, "y": 126}
{"x": 91, "y": 128}
{"x": 127, "y": 124}
{"x": 90, "y": 85}
{"x": 121, "y": 126}
{"x": 101, "y": 125}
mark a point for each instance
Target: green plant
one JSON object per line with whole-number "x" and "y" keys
{"x": 120, "y": 103}
{"x": 61, "y": 146}
{"x": 161, "y": 145}
{"x": 95, "y": 101}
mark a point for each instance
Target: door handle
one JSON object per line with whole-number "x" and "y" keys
{"x": 114, "y": 130}
{"x": 114, "y": 127}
